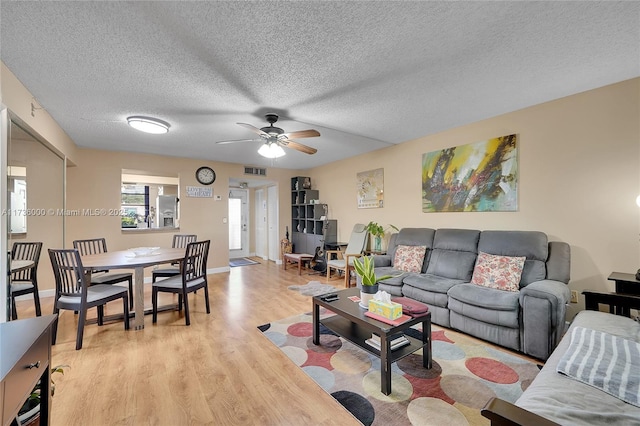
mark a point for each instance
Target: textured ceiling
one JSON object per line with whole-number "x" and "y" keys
{"x": 364, "y": 74}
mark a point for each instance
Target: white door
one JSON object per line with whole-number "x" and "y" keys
{"x": 272, "y": 220}
{"x": 262, "y": 249}
{"x": 238, "y": 219}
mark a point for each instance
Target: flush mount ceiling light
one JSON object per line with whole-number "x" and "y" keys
{"x": 148, "y": 124}
{"x": 271, "y": 150}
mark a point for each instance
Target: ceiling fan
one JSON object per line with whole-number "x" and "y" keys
{"x": 275, "y": 138}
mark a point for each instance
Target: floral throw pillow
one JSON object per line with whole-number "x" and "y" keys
{"x": 499, "y": 272}
{"x": 409, "y": 258}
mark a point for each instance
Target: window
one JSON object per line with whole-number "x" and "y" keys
{"x": 149, "y": 201}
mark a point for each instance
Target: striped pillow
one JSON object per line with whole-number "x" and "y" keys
{"x": 604, "y": 361}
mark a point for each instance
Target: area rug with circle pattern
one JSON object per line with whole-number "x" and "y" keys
{"x": 466, "y": 373}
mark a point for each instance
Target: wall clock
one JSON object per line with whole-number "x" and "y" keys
{"x": 205, "y": 175}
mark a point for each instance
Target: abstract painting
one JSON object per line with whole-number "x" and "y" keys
{"x": 477, "y": 177}
{"x": 370, "y": 189}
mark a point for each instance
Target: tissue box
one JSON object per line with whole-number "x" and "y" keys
{"x": 388, "y": 310}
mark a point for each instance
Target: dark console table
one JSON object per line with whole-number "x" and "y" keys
{"x": 625, "y": 283}
{"x": 25, "y": 358}
{"x": 625, "y": 297}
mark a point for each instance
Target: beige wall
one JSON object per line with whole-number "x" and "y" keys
{"x": 95, "y": 184}
{"x": 579, "y": 176}
{"x": 18, "y": 100}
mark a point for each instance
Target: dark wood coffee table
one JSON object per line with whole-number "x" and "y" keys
{"x": 351, "y": 323}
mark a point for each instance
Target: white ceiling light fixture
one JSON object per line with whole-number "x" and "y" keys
{"x": 271, "y": 150}
{"x": 148, "y": 124}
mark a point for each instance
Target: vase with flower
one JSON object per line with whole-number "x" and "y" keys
{"x": 378, "y": 232}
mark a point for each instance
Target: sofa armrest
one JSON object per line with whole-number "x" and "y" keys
{"x": 544, "y": 308}
{"x": 503, "y": 413}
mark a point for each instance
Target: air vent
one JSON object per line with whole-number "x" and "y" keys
{"x": 256, "y": 171}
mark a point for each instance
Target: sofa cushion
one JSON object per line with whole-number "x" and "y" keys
{"x": 454, "y": 253}
{"x": 498, "y": 272}
{"x": 432, "y": 283}
{"x": 428, "y": 288}
{"x": 397, "y": 276}
{"x": 409, "y": 258}
{"x": 531, "y": 244}
{"x": 475, "y": 295}
{"x": 482, "y": 316}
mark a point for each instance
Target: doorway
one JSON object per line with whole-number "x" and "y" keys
{"x": 238, "y": 219}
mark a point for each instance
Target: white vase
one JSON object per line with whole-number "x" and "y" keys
{"x": 366, "y": 294}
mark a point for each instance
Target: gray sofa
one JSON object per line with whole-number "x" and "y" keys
{"x": 531, "y": 320}
{"x": 555, "y": 397}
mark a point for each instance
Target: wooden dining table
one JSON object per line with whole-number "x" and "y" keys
{"x": 126, "y": 259}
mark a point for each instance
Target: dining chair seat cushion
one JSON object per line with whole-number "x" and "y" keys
{"x": 20, "y": 286}
{"x": 337, "y": 263}
{"x": 94, "y": 293}
{"x": 176, "y": 282}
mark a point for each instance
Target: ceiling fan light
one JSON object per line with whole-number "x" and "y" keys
{"x": 148, "y": 124}
{"x": 271, "y": 150}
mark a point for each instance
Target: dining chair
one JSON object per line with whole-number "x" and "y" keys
{"x": 355, "y": 248}
{"x": 74, "y": 291}
{"x": 25, "y": 281}
{"x": 193, "y": 276}
{"x": 103, "y": 276}
{"x": 179, "y": 241}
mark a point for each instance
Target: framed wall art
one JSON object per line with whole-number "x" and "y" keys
{"x": 370, "y": 189}
{"x": 477, "y": 177}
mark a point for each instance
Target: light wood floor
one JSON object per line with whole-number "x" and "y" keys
{"x": 220, "y": 370}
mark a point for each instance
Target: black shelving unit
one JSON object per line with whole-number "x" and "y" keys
{"x": 309, "y": 230}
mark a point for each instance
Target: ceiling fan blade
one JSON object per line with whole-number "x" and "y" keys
{"x": 238, "y": 140}
{"x": 300, "y": 147}
{"x": 302, "y": 134}
{"x": 254, "y": 129}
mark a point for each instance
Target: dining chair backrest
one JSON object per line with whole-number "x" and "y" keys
{"x": 69, "y": 274}
{"x": 195, "y": 261}
{"x": 181, "y": 240}
{"x": 90, "y": 246}
{"x": 26, "y": 251}
{"x": 358, "y": 239}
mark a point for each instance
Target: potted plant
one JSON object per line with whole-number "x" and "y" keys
{"x": 364, "y": 267}
{"x": 378, "y": 232}
{"x": 29, "y": 414}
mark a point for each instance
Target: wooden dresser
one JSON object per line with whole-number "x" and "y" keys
{"x": 25, "y": 358}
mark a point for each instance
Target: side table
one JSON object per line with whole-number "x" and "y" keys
{"x": 625, "y": 297}
{"x": 625, "y": 283}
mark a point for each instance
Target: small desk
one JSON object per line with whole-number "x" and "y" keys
{"x": 123, "y": 260}
{"x": 335, "y": 245}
